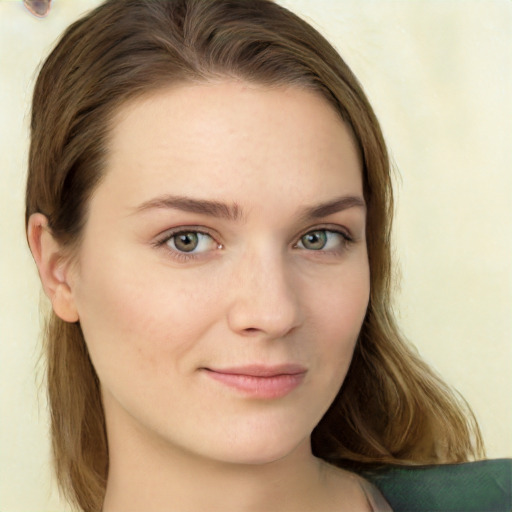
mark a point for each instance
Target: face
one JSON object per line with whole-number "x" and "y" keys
{"x": 223, "y": 276}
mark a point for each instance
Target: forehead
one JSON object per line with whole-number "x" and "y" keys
{"x": 232, "y": 138}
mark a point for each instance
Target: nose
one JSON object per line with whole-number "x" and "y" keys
{"x": 264, "y": 298}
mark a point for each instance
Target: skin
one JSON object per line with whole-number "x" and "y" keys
{"x": 159, "y": 321}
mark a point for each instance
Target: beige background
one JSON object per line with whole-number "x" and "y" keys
{"x": 439, "y": 75}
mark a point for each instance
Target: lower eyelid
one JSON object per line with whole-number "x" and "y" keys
{"x": 345, "y": 238}
{"x": 201, "y": 237}
{"x": 171, "y": 251}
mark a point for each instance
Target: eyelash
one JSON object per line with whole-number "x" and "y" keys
{"x": 184, "y": 257}
{"x": 346, "y": 240}
{"x": 180, "y": 255}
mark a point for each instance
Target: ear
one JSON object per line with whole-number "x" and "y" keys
{"x": 53, "y": 267}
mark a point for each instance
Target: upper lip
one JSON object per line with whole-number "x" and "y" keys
{"x": 259, "y": 370}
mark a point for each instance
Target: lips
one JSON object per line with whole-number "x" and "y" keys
{"x": 259, "y": 381}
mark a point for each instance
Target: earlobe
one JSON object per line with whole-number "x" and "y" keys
{"x": 63, "y": 304}
{"x": 52, "y": 267}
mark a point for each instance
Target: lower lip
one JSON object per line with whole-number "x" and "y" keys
{"x": 275, "y": 386}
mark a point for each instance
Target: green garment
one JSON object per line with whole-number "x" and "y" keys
{"x": 483, "y": 486}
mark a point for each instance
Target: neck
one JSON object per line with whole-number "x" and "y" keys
{"x": 147, "y": 472}
{"x": 174, "y": 480}
{"x": 152, "y": 475}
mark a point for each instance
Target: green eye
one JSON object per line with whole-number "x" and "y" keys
{"x": 314, "y": 240}
{"x": 186, "y": 242}
{"x": 324, "y": 240}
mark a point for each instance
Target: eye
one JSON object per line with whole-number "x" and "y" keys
{"x": 191, "y": 242}
{"x": 187, "y": 243}
{"x": 323, "y": 240}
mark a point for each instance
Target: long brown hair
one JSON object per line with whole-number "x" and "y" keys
{"x": 392, "y": 408}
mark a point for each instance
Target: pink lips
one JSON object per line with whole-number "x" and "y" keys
{"x": 256, "y": 381}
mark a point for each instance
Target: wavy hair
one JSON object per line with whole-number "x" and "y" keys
{"x": 392, "y": 408}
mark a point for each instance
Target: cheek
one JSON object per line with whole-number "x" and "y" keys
{"x": 336, "y": 312}
{"x": 341, "y": 302}
{"x": 340, "y": 309}
{"x": 139, "y": 320}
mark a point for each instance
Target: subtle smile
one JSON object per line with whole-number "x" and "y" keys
{"x": 263, "y": 382}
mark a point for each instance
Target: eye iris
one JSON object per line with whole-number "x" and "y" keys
{"x": 315, "y": 240}
{"x": 186, "y": 242}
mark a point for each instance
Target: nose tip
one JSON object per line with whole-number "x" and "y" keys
{"x": 265, "y": 303}
{"x": 249, "y": 320}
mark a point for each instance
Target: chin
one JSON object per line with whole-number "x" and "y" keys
{"x": 266, "y": 448}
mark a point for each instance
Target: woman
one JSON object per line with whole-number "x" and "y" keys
{"x": 209, "y": 206}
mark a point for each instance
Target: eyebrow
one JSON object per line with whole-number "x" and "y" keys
{"x": 336, "y": 205}
{"x": 234, "y": 212}
{"x": 187, "y": 204}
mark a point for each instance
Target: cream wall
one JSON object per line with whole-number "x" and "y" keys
{"x": 439, "y": 75}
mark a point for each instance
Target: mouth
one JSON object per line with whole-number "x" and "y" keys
{"x": 259, "y": 381}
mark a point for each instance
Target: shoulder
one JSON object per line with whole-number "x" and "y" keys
{"x": 471, "y": 487}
